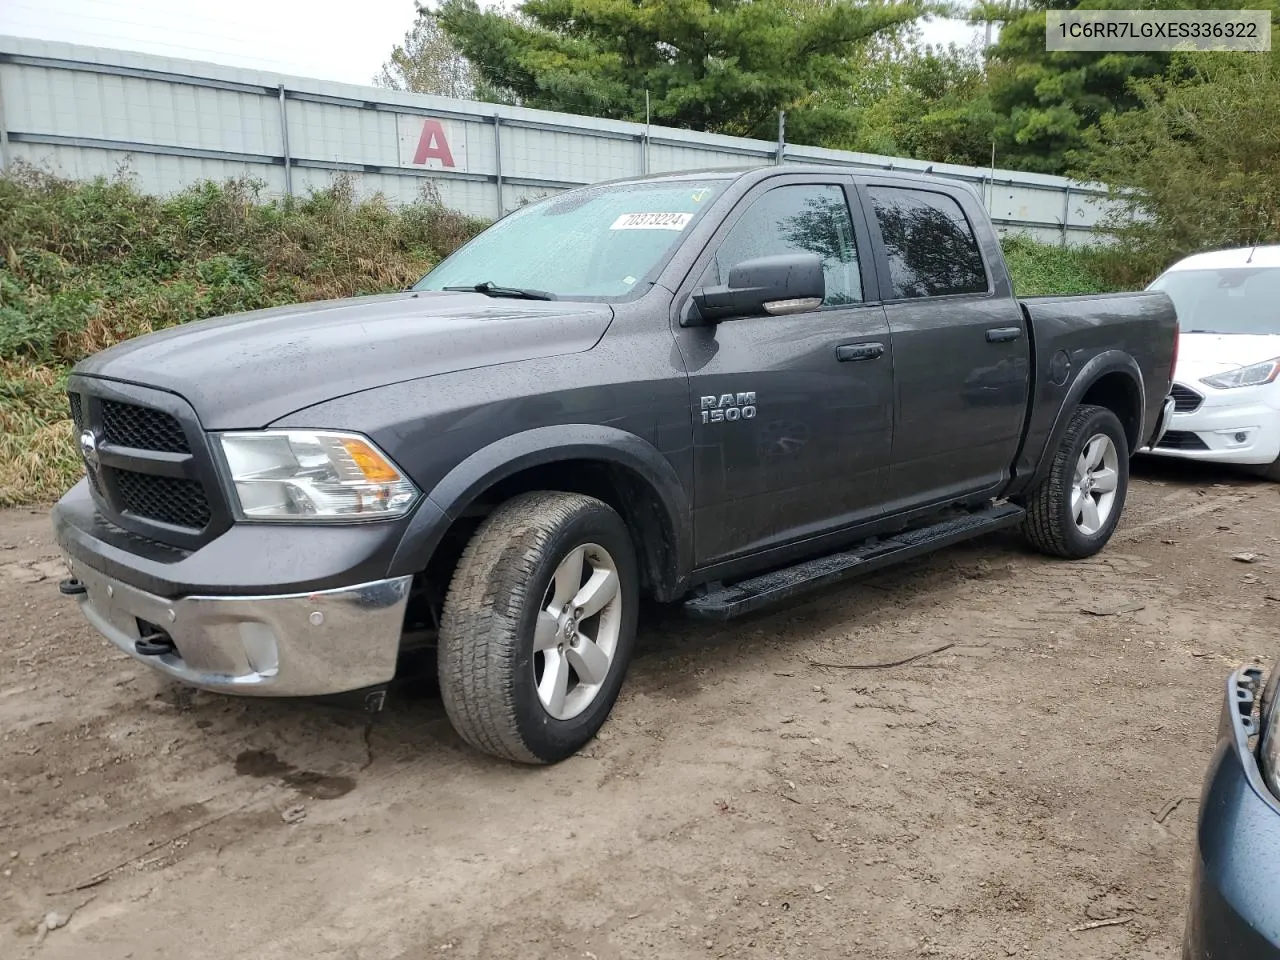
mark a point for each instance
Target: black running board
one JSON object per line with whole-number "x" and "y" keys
{"x": 733, "y": 600}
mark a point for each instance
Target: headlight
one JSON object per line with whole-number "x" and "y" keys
{"x": 313, "y": 475}
{"x": 1269, "y": 753}
{"x": 1250, "y": 376}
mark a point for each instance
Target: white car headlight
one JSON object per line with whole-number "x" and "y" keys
{"x": 1250, "y": 376}
{"x": 313, "y": 475}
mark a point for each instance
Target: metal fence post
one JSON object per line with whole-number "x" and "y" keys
{"x": 1066, "y": 212}
{"x": 782, "y": 136}
{"x": 497, "y": 161}
{"x": 284, "y": 139}
{"x": 644, "y": 139}
{"x": 4, "y": 136}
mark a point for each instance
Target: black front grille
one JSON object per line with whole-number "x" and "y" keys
{"x": 142, "y": 428}
{"x": 173, "y": 500}
{"x": 147, "y": 477}
{"x": 1185, "y": 400}
{"x": 1181, "y": 440}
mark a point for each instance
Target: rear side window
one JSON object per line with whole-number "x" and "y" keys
{"x": 931, "y": 247}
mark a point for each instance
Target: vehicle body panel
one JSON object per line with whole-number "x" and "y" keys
{"x": 1238, "y": 425}
{"x": 272, "y": 362}
{"x": 815, "y": 452}
{"x": 1234, "y": 911}
{"x": 959, "y": 397}
{"x": 1078, "y": 341}
{"x": 465, "y": 393}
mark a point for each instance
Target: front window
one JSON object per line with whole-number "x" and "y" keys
{"x": 1230, "y": 300}
{"x": 800, "y": 218}
{"x": 595, "y": 242}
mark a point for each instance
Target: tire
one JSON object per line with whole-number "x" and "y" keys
{"x": 1268, "y": 471}
{"x": 501, "y": 693}
{"x": 1058, "y": 522}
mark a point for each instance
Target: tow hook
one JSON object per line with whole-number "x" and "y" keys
{"x": 71, "y": 587}
{"x": 154, "y": 641}
{"x": 154, "y": 645}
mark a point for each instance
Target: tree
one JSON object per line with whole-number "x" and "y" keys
{"x": 936, "y": 108}
{"x": 428, "y": 62}
{"x": 1195, "y": 167}
{"x": 725, "y": 66}
{"x": 1049, "y": 102}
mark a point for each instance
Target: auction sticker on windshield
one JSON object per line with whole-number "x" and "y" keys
{"x": 652, "y": 221}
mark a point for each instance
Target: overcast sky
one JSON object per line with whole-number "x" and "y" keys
{"x": 337, "y": 40}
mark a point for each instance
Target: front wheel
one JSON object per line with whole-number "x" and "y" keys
{"x": 1074, "y": 511}
{"x": 538, "y": 627}
{"x": 1268, "y": 471}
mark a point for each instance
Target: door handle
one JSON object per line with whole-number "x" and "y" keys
{"x": 848, "y": 352}
{"x": 1003, "y": 334}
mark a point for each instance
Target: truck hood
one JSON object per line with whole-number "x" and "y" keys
{"x": 1205, "y": 354}
{"x": 246, "y": 370}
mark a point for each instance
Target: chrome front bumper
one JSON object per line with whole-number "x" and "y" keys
{"x": 292, "y": 645}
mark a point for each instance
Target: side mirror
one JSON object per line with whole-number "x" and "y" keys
{"x": 765, "y": 286}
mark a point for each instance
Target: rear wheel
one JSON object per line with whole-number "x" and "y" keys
{"x": 1074, "y": 511}
{"x": 538, "y": 627}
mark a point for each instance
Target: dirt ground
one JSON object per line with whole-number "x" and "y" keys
{"x": 984, "y": 801}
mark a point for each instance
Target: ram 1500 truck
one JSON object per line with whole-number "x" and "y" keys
{"x": 721, "y": 387}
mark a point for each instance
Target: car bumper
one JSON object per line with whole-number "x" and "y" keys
{"x": 299, "y": 630}
{"x": 1235, "y": 888}
{"x": 1167, "y": 410}
{"x": 1241, "y": 432}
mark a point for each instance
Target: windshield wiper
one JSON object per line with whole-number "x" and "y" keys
{"x": 491, "y": 289}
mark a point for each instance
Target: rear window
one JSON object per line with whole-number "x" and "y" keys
{"x": 1230, "y": 300}
{"x": 929, "y": 242}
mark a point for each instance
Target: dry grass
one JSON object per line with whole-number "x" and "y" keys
{"x": 37, "y": 456}
{"x": 88, "y": 265}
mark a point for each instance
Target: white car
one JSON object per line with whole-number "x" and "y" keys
{"x": 1227, "y": 398}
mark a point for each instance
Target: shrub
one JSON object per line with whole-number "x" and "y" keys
{"x": 1042, "y": 269}
{"x": 87, "y": 265}
{"x": 1195, "y": 169}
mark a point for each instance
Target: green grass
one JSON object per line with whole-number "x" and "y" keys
{"x": 87, "y": 265}
{"x": 1044, "y": 269}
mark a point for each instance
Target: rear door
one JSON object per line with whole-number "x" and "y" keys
{"x": 791, "y": 432}
{"x": 960, "y": 345}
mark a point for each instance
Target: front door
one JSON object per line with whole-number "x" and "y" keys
{"x": 792, "y": 416}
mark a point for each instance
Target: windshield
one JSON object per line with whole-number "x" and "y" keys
{"x": 595, "y": 242}
{"x": 1231, "y": 300}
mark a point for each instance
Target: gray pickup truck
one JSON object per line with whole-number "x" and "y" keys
{"x": 722, "y": 387}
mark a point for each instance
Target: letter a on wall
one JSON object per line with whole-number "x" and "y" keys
{"x": 432, "y": 143}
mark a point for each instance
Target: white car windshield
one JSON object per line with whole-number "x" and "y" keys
{"x": 592, "y": 243}
{"x": 1229, "y": 300}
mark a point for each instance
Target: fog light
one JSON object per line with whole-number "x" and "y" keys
{"x": 1238, "y": 437}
